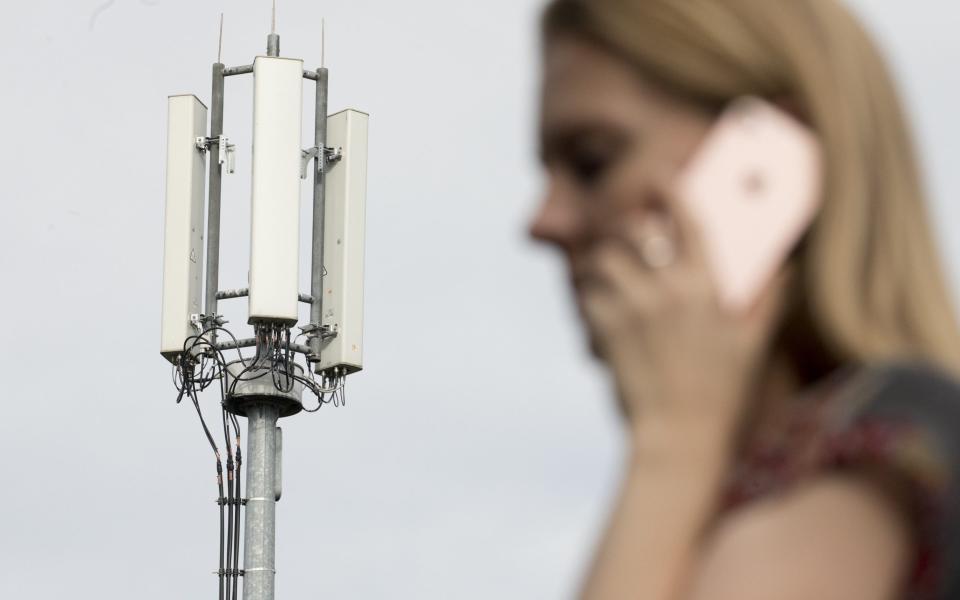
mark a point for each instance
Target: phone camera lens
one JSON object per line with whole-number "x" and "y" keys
{"x": 754, "y": 184}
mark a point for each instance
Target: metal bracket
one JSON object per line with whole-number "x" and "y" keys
{"x": 325, "y": 331}
{"x": 211, "y": 321}
{"x": 278, "y": 464}
{"x": 321, "y": 332}
{"x": 225, "y": 148}
{"x": 305, "y": 157}
{"x": 331, "y": 155}
{"x": 226, "y": 153}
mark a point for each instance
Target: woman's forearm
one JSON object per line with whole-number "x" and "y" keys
{"x": 668, "y": 496}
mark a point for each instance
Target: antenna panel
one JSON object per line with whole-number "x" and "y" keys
{"x": 275, "y": 210}
{"x": 183, "y": 223}
{"x": 343, "y": 241}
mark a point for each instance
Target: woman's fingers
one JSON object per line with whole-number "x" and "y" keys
{"x": 675, "y": 266}
{"x": 684, "y": 226}
{"x": 653, "y": 240}
{"x": 620, "y": 270}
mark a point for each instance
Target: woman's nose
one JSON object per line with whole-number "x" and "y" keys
{"x": 558, "y": 220}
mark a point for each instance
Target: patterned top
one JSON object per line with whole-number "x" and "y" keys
{"x": 903, "y": 419}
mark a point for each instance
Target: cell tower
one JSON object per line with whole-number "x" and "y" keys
{"x": 263, "y": 378}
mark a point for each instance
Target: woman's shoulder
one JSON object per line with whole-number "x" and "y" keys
{"x": 898, "y": 422}
{"x": 903, "y": 416}
{"x": 896, "y": 410}
{"x": 902, "y": 419}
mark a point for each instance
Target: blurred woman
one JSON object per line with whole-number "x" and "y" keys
{"x": 805, "y": 448}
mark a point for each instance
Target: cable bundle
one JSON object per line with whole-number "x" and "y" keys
{"x": 196, "y": 371}
{"x": 199, "y": 366}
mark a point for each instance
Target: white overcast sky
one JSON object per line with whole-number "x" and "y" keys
{"x": 479, "y": 447}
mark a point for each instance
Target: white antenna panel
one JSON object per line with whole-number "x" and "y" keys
{"x": 343, "y": 241}
{"x": 275, "y": 211}
{"x": 183, "y": 223}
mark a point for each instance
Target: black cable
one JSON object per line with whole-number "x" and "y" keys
{"x": 281, "y": 357}
{"x": 219, "y": 367}
{"x": 262, "y": 354}
{"x": 206, "y": 431}
{"x": 196, "y": 404}
{"x": 174, "y": 375}
{"x": 320, "y": 402}
{"x": 287, "y": 368}
{"x": 230, "y": 522}
{"x": 188, "y": 386}
{"x": 312, "y": 386}
{"x": 236, "y": 512}
{"x": 200, "y": 364}
{"x": 221, "y": 573}
{"x": 209, "y": 343}
{"x": 218, "y": 371}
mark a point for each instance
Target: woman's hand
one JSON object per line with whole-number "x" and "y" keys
{"x": 678, "y": 357}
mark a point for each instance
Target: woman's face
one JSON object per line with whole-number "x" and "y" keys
{"x": 609, "y": 141}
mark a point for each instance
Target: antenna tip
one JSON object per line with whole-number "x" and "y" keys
{"x": 220, "y": 41}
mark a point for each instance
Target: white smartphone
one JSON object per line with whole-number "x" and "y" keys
{"x": 753, "y": 187}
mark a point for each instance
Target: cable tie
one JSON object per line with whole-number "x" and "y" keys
{"x": 231, "y": 501}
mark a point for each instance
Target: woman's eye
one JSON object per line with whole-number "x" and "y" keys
{"x": 589, "y": 168}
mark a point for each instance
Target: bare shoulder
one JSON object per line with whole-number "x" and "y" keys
{"x": 836, "y": 537}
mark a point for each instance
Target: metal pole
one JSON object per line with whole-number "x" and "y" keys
{"x": 231, "y": 71}
{"x": 251, "y": 342}
{"x": 319, "y": 180}
{"x": 273, "y": 45}
{"x": 213, "y": 203}
{"x": 259, "y": 522}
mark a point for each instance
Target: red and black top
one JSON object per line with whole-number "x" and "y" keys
{"x": 901, "y": 420}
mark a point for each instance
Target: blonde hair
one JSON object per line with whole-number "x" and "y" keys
{"x": 872, "y": 286}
